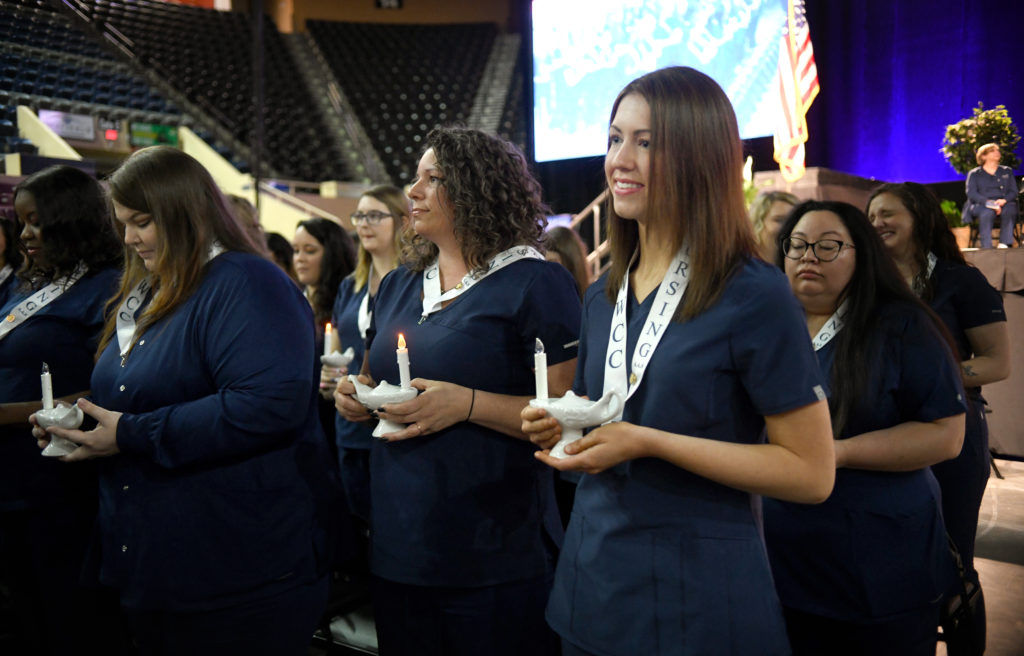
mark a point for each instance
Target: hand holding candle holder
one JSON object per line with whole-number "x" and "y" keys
{"x": 375, "y": 397}
{"x": 63, "y": 415}
{"x": 574, "y": 414}
{"x": 336, "y": 359}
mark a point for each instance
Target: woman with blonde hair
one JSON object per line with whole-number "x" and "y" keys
{"x": 380, "y": 218}
{"x": 991, "y": 192}
{"x": 767, "y": 214}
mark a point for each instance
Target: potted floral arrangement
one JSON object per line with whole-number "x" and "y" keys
{"x": 964, "y": 137}
{"x": 956, "y": 225}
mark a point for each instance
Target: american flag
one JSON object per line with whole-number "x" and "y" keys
{"x": 798, "y": 86}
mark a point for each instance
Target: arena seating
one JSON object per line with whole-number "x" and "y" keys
{"x": 402, "y": 80}
{"x": 207, "y": 55}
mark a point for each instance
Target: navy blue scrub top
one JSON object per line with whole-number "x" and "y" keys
{"x": 219, "y": 493}
{"x": 468, "y": 506}
{"x": 877, "y": 546}
{"x": 963, "y": 299}
{"x": 983, "y": 186}
{"x": 677, "y": 558}
{"x": 64, "y": 334}
{"x": 345, "y": 319}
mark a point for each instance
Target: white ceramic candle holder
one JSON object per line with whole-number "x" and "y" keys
{"x": 375, "y": 397}
{"x": 574, "y": 414}
{"x": 337, "y": 359}
{"x": 64, "y": 416}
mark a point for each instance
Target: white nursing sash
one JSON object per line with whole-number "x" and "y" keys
{"x": 434, "y": 299}
{"x": 932, "y": 261}
{"x": 125, "y": 321}
{"x": 832, "y": 327}
{"x": 670, "y": 292}
{"x": 39, "y": 300}
{"x": 5, "y": 273}
{"x": 363, "y": 317}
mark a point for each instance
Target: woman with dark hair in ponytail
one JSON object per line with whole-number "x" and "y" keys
{"x": 862, "y": 573}
{"x": 915, "y": 234}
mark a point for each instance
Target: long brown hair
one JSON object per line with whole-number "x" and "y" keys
{"x": 190, "y": 214}
{"x": 930, "y": 233}
{"x": 695, "y": 191}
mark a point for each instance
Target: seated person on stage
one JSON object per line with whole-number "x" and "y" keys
{"x": 991, "y": 192}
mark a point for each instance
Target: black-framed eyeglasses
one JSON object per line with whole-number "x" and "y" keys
{"x": 825, "y": 250}
{"x": 372, "y": 217}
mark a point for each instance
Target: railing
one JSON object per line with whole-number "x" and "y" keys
{"x": 600, "y": 247}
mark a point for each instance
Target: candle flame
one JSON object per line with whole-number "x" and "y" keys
{"x": 327, "y": 330}
{"x": 401, "y": 341}
{"x": 46, "y": 368}
{"x": 539, "y": 346}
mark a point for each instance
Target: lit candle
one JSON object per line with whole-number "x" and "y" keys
{"x": 540, "y": 370}
{"x": 328, "y": 330}
{"x": 403, "y": 362}
{"x": 47, "y": 388}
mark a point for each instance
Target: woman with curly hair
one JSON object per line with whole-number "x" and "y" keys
{"x": 53, "y": 315}
{"x": 465, "y": 524}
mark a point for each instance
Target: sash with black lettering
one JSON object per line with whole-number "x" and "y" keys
{"x": 39, "y": 300}
{"x": 433, "y": 298}
{"x": 832, "y": 327}
{"x": 670, "y": 292}
{"x": 125, "y": 322}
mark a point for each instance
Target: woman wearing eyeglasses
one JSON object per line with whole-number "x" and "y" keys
{"x": 379, "y": 219}
{"x": 862, "y": 573}
{"x": 915, "y": 233}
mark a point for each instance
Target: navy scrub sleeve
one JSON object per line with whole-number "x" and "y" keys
{"x": 220, "y": 493}
{"x": 963, "y": 299}
{"x": 64, "y": 334}
{"x": 877, "y": 546}
{"x": 468, "y": 506}
{"x": 677, "y": 558}
{"x": 354, "y": 439}
{"x": 345, "y": 320}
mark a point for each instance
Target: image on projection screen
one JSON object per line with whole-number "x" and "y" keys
{"x": 585, "y": 51}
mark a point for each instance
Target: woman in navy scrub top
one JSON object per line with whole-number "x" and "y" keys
{"x": 464, "y": 524}
{"x": 380, "y": 217}
{"x": 915, "y": 234}
{"x": 214, "y": 474}
{"x": 991, "y": 192}
{"x": 663, "y": 554}
{"x": 47, "y": 509}
{"x": 863, "y": 572}
{"x": 10, "y": 257}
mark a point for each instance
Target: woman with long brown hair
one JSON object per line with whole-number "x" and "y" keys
{"x": 665, "y": 532}
{"x": 215, "y": 479}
